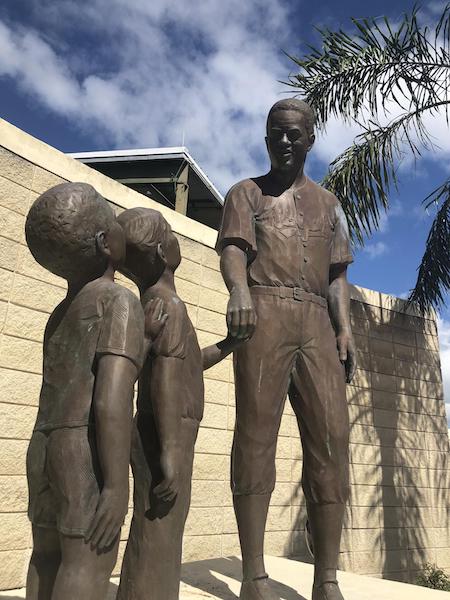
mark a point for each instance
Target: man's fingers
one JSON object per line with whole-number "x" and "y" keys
{"x": 234, "y": 323}
{"x": 351, "y": 367}
{"x": 243, "y": 323}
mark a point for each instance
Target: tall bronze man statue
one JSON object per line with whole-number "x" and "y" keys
{"x": 285, "y": 249}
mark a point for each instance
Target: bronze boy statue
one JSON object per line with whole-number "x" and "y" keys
{"x": 170, "y": 408}
{"x": 77, "y": 462}
{"x": 284, "y": 254}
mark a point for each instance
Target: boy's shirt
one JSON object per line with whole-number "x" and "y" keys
{"x": 177, "y": 340}
{"x": 103, "y": 318}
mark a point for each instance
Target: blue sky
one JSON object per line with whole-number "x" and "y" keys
{"x": 118, "y": 74}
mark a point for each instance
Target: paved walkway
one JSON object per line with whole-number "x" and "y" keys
{"x": 218, "y": 579}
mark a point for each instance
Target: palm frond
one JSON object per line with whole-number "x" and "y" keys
{"x": 362, "y": 176}
{"x": 379, "y": 65}
{"x": 433, "y": 278}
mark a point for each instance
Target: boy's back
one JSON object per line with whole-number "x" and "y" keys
{"x": 103, "y": 318}
{"x": 179, "y": 340}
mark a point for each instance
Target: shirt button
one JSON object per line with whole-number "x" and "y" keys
{"x": 305, "y": 259}
{"x": 301, "y": 213}
{"x": 304, "y": 244}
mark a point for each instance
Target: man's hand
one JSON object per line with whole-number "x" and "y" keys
{"x": 155, "y": 318}
{"x": 109, "y": 517}
{"x": 241, "y": 316}
{"x": 347, "y": 353}
{"x": 170, "y": 467}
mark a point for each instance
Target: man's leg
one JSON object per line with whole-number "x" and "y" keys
{"x": 84, "y": 572}
{"x": 317, "y": 395}
{"x": 44, "y": 564}
{"x": 262, "y": 369}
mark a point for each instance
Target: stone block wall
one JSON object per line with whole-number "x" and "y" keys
{"x": 397, "y": 517}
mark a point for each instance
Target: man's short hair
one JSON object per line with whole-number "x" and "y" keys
{"x": 61, "y": 229}
{"x": 298, "y": 105}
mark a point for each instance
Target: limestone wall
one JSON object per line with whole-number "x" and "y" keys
{"x": 398, "y": 514}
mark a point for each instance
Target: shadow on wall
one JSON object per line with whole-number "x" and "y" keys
{"x": 397, "y": 514}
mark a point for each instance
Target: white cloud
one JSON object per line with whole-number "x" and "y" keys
{"x": 444, "y": 343}
{"x": 155, "y": 72}
{"x": 375, "y": 250}
{"x": 208, "y": 74}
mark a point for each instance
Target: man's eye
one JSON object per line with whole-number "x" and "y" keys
{"x": 293, "y": 135}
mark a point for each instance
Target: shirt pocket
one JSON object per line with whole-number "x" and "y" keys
{"x": 320, "y": 228}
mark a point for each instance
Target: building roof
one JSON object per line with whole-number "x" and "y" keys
{"x": 162, "y": 174}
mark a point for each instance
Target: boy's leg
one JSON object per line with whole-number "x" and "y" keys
{"x": 84, "y": 572}
{"x": 44, "y": 564}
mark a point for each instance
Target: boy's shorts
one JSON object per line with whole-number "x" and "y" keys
{"x": 64, "y": 479}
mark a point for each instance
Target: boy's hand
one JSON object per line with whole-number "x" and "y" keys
{"x": 168, "y": 488}
{"x": 110, "y": 515}
{"x": 155, "y": 318}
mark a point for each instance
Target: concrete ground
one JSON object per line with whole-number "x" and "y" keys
{"x": 218, "y": 579}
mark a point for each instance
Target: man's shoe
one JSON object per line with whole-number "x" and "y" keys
{"x": 328, "y": 590}
{"x": 257, "y": 589}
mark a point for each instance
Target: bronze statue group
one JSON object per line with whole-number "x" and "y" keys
{"x": 284, "y": 250}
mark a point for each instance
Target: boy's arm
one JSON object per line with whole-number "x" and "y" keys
{"x": 167, "y": 393}
{"x": 339, "y": 309}
{"x": 155, "y": 319}
{"x": 113, "y": 410}
{"x": 211, "y": 355}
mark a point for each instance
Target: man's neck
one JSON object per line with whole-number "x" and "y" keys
{"x": 289, "y": 180}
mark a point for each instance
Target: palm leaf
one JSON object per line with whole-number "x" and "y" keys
{"x": 433, "y": 279}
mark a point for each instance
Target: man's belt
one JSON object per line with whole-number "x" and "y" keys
{"x": 294, "y": 293}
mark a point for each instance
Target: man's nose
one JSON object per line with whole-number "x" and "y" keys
{"x": 284, "y": 139}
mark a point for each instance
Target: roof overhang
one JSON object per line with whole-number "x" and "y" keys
{"x": 149, "y": 154}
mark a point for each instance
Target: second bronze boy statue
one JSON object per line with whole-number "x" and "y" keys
{"x": 170, "y": 408}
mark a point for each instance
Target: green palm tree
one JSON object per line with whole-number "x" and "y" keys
{"x": 384, "y": 69}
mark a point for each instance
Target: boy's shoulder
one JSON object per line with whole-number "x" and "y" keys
{"x": 175, "y": 338}
{"x": 108, "y": 292}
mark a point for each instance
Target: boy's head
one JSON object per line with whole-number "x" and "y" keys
{"x": 72, "y": 231}
{"x": 151, "y": 245}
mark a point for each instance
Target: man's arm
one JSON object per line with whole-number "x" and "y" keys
{"x": 211, "y": 355}
{"x": 339, "y": 308}
{"x": 241, "y": 316}
{"x": 113, "y": 410}
{"x": 167, "y": 394}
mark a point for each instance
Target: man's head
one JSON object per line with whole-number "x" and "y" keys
{"x": 151, "y": 245}
{"x": 290, "y": 134}
{"x": 72, "y": 231}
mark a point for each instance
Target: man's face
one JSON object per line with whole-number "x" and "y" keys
{"x": 288, "y": 140}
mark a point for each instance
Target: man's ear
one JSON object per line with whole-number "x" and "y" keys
{"x": 102, "y": 244}
{"x": 312, "y": 139}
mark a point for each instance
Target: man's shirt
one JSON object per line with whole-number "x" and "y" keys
{"x": 292, "y": 239}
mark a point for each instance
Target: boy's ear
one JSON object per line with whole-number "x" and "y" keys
{"x": 102, "y": 243}
{"x": 160, "y": 253}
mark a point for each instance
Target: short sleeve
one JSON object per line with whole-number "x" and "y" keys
{"x": 238, "y": 221}
{"x": 122, "y": 330}
{"x": 171, "y": 341}
{"x": 341, "y": 249}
